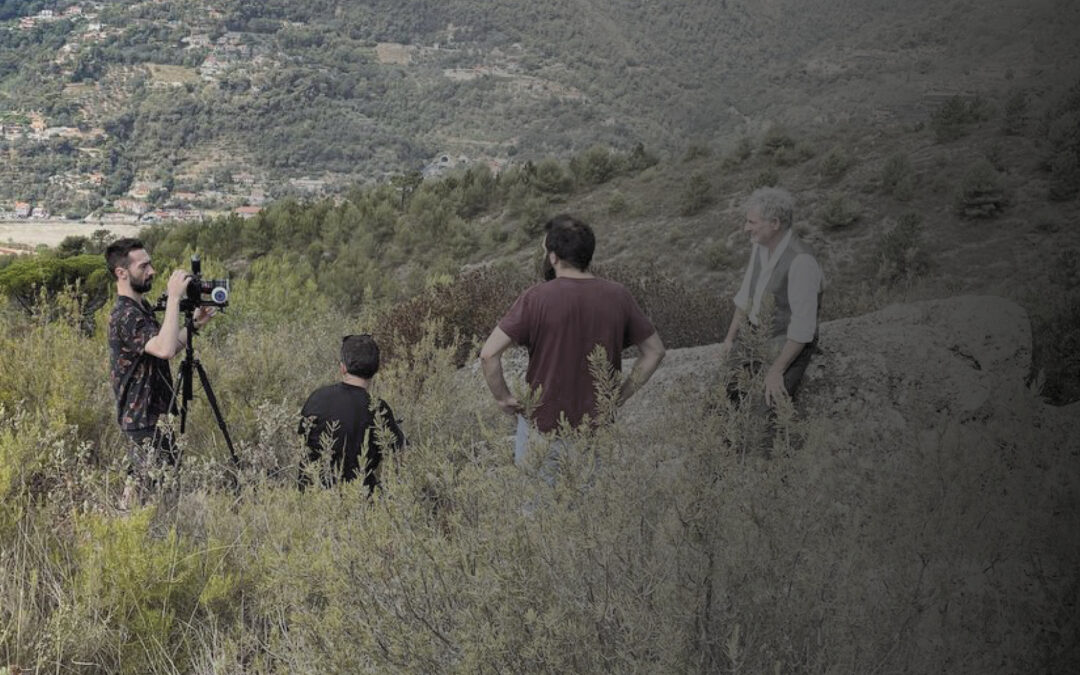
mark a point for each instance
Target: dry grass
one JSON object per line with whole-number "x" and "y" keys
{"x": 687, "y": 551}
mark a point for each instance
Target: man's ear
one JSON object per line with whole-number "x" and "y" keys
{"x": 341, "y": 367}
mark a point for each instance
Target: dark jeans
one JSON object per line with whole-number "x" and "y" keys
{"x": 792, "y": 376}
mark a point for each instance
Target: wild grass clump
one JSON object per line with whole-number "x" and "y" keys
{"x": 684, "y": 316}
{"x": 617, "y": 204}
{"x": 898, "y": 177}
{"x": 696, "y": 151}
{"x": 1063, "y": 133}
{"x": 900, "y": 253}
{"x": 697, "y": 195}
{"x": 466, "y": 308}
{"x": 835, "y": 163}
{"x": 668, "y": 542}
{"x": 1056, "y": 331}
{"x": 982, "y": 192}
{"x": 765, "y": 178}
{"x": 1015, "y": 114}
{"x": 839, "y": 212}
{"x": 956, "y": 116}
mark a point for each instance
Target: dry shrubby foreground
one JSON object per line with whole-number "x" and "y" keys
{"x": 886, "y": 524}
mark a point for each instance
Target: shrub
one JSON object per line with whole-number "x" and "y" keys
{"x": 766, "y": 178}
{"x": 839, "y": 213}
{"x": 1062, "y": 129}
{"x": 640, "y": 159}
{"x": 898, "y": 177}
{"x": 744, "y": 149}
{"x": 981, "y": 193}
{"x": 551, "y": 177}
{"x": 1014, "y": 118}
{"x": 953, "y": 119}
{"x": 696, "y": 196}
{"x": 463, "y": 311}
{"x": 617, "y": 203}
{"x": 596, "y": 166}
{"x": 684, "y": 316}
{"x": 835, "y": 163}
{"x": 775, "y": 140}
{"x": 719, "y": 256}
{"x": 796, "y": 155}
{"x": 696, "y": 151}
{"x": 899, "y": 252}
{"x": 684, "y": 550}
{"x": 1056, "y": 357}
{"x": 1064, "y": 175}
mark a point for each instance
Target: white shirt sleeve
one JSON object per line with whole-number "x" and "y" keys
{"x": 742, "y": 298}
{"x": 804, "y": 283}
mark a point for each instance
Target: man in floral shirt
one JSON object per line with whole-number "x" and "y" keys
{"x": 139, "y": 353}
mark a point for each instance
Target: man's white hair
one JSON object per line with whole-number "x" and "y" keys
{"x": 772, "y": 202}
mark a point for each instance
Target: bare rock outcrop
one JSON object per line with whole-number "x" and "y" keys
{"x": 886, "y": 371}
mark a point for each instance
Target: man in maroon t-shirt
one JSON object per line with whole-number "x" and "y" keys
{"x": 560, "y": 322}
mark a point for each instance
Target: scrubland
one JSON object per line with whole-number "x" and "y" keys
{"x": 704, "y": 542}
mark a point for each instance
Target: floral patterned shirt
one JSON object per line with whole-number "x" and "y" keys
{"x": 141, "y": 382}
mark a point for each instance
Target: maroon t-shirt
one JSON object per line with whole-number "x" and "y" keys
{"x": 560, "y": 322}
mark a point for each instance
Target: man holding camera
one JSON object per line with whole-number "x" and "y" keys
{"x": 139, "y": 353}
{"x": 343, "y": 418}
{"x": 560, "y": 321}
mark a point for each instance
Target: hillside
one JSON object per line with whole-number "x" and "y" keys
{"x": 914, "y": 511}
{"x": 208, "y": 105}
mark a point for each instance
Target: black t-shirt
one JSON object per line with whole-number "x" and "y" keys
{"x": 344, "y": 412}
{"x": 141, "y": 382}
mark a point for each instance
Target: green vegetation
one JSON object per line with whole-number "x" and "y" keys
{"x": 697, "y": 195}
{"x": 1056, "y": 326}
{"x": 1063, "y": 133}
{"x": 686, "y": 551}
{"x": 835, "y": 163}
{"x": 955, "y": 117}
{"x": 847, "y": 550}
{"x": 898, "y": 177}
{"x": 1015, "y": 114}
{"x": 766, "y": 178}
{"x": 839, "y": 212}
{"x": 25, "y": 279}
{"x": 285, "y": 92}
{"x": 900, "y": 254}
{"x": 982, "y": 192}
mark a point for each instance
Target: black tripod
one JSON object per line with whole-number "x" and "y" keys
{"x": 183, "y": 387}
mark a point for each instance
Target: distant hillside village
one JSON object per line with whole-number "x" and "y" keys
{"x": 82, "y": 161}
{"x": 150, "y": 198}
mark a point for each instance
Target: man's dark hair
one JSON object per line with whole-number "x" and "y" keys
{"x": 360, "y": 355}
{"x": 116, "y": 255}
{"x": 570, "y": 239}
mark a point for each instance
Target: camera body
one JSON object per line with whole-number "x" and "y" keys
{"x": 200, "y": 292}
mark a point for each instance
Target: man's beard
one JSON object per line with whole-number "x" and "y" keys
{"x": 547, "y": 270}
{"x": 141, "y": 285}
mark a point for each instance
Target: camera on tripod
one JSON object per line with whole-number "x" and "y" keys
{"x": 200, "y": 292}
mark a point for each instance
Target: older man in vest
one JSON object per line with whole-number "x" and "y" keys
{"x": 781, "y": 268}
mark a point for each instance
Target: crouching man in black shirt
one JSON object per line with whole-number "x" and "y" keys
{"x": 343, "y": 414}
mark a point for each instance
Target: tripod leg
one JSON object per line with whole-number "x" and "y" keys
{"x": 217, "y": 411}
{"x": 183, "y": 382}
